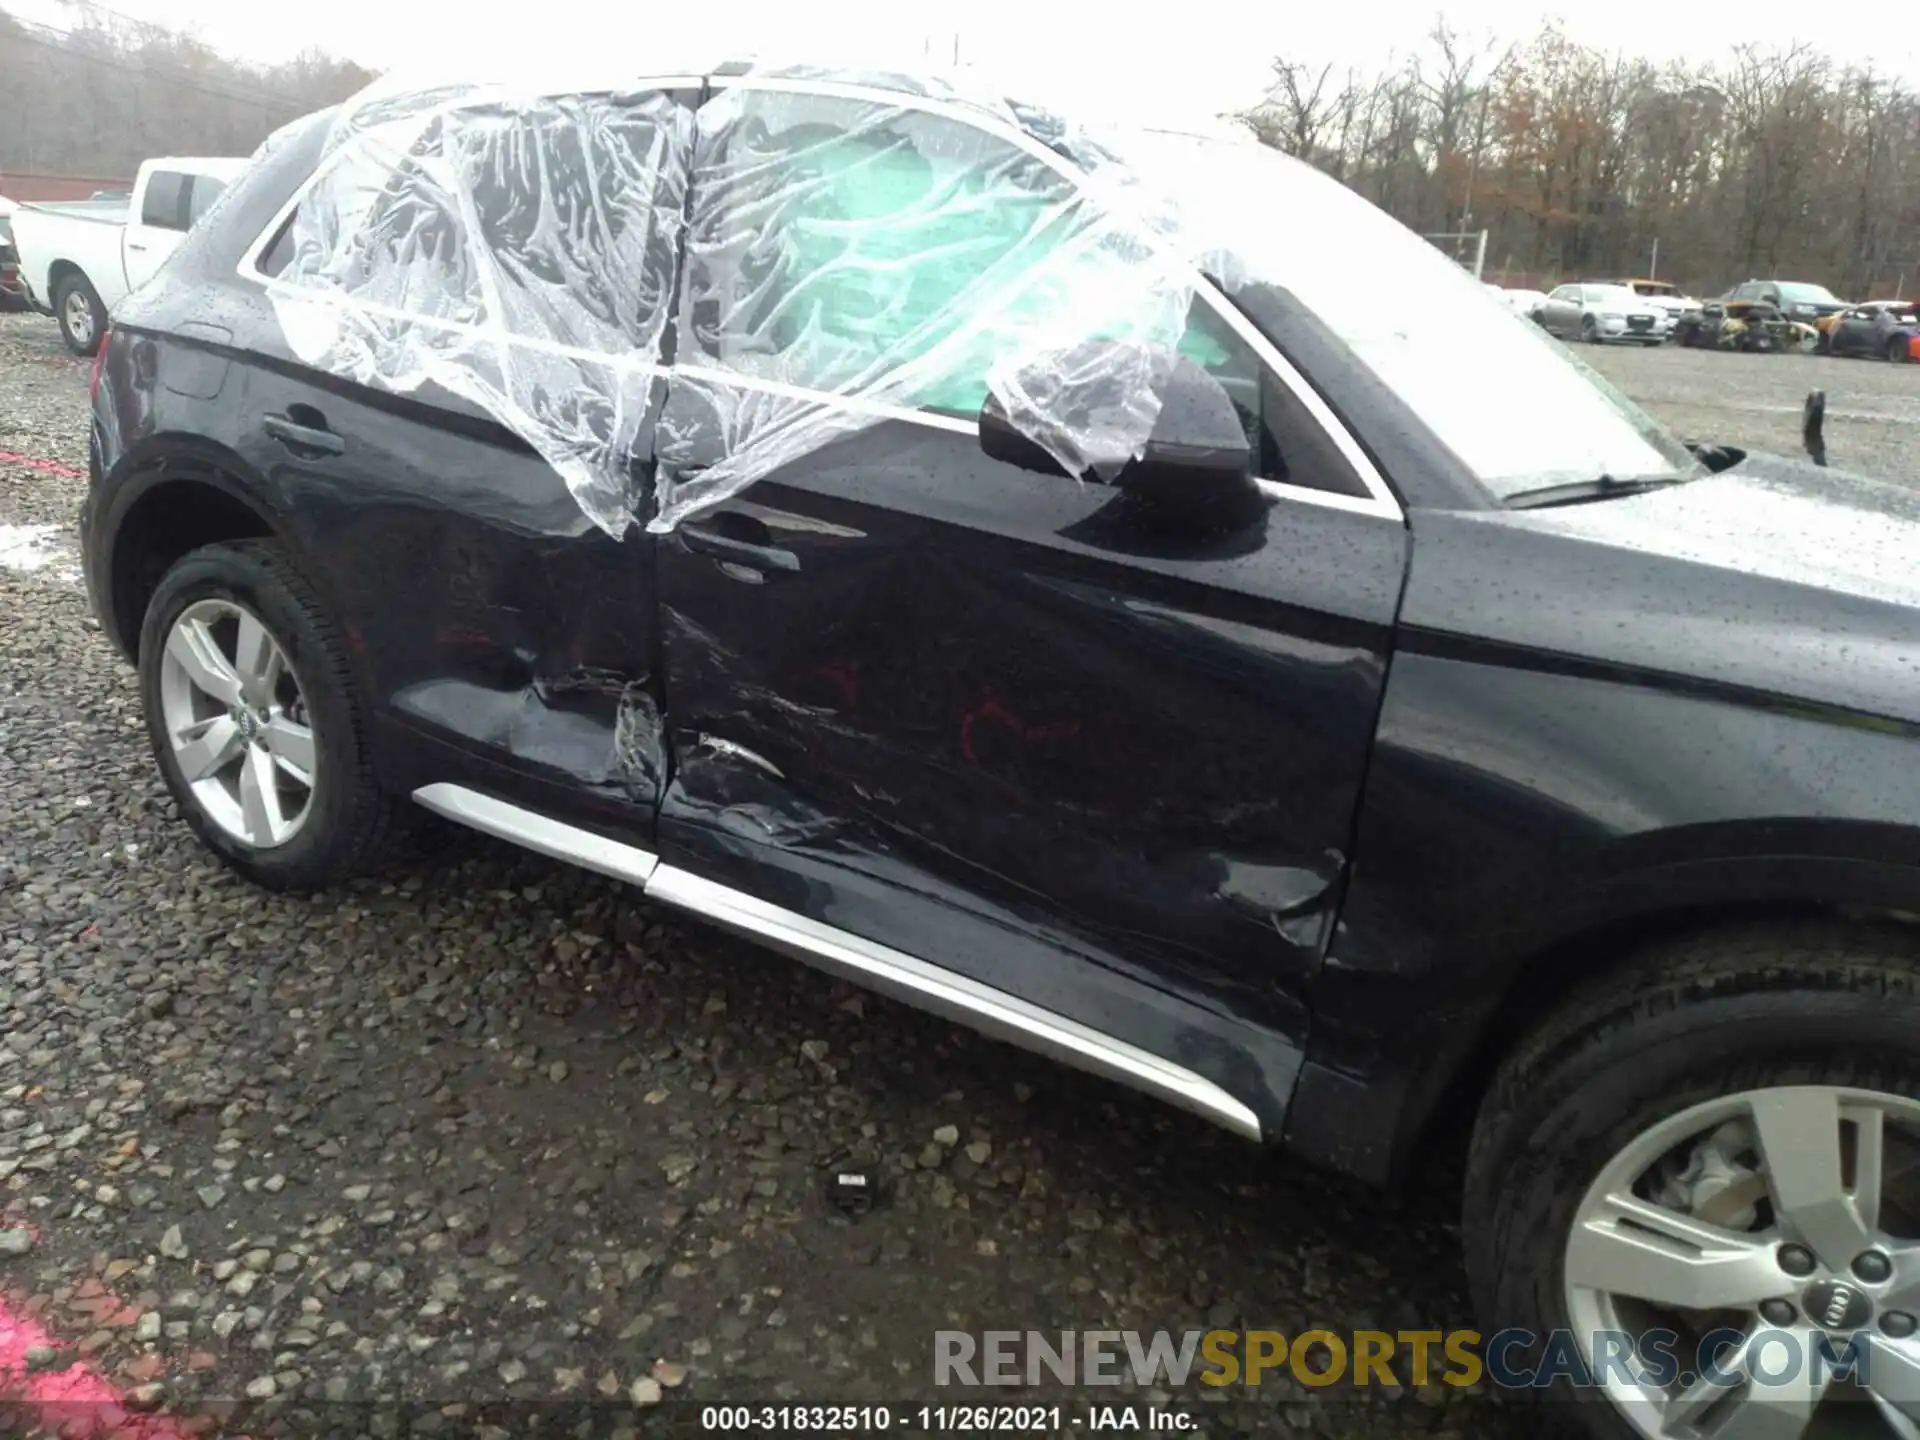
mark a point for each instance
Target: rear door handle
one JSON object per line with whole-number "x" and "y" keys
{"x": 705, "y": 541}
{"x": 303, "y": 439}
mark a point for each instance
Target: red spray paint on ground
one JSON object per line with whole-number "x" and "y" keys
{"x": 74, "y": 1402}
{"x": 45, "y": 467}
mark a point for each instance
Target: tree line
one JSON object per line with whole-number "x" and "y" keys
{"x": 101, "y": 96}
{"x": 1773, "y": 162}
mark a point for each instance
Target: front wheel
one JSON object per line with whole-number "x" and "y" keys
{"x": 1898, "y": 350}
{"x": 256, "y": 721}
{"x": 1700, "y": 1181}
{"x": 1589, "y": 330}
{"x": 83, "y": 319}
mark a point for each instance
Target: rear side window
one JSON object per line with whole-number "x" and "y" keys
{"x": 164, "y": 205}
{"x": 552, "y": 227}
{"x": 204, "y": 191}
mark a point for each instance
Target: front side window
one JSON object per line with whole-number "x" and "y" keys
{"x": 1287, "y": 443}
{"x": 162, "y": 206}
{"x": 842, "y": 245}
{"x": 862, "y": 249}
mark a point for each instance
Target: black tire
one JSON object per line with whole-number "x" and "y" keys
{"x": 352, "y": 826}
{"x": 1898, "y": 351}
{"x": 1589, "y": 330}
{"x": 76, "y": 291}
{"x": 1823, "y": 345}
{"x": 1705, "y": 1016}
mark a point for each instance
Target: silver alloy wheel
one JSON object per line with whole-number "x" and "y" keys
{"x": 237, "y": 720}
{"x": 1781, "y": 1234}
{"x": 79, "y": 316}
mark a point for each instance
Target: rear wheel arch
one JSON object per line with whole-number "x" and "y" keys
{"x": 174, "y": 502}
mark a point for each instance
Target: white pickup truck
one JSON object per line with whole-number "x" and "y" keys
{"x": 79, "y": 260}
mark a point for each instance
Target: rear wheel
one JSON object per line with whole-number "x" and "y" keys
{"x": 1898, "y": 350}
{"x": 256, "y": 721}
{"x": 1714, "y": 1155}
{"x": 83, "y": 319}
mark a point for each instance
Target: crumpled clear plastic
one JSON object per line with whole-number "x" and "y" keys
{"x": 846, "y": 259}
{"x": 516, "y": 250}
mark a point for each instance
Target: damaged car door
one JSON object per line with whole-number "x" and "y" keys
{"x": 508, "y": 623}
{"x": 983, "y": 715}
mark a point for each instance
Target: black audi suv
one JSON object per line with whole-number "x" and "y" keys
{"x": 1040, "y": 573}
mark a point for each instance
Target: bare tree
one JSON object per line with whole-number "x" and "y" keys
{"x": 1579, "y": 163}
{"x": 99, "y": 97}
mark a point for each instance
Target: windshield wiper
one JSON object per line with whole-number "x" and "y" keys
{"x": 1579, "y": 492}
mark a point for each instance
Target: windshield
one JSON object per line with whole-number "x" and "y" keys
{"x": 1653, "y": 287}
{"x": 1795, "y": 294}
{"x": 1612, "y": 295}
{"x": 1513, "y": 404}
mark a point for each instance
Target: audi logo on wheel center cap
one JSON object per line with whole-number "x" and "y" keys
{"x": 1836, "y": 1305}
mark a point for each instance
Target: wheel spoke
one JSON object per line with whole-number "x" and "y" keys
{"x": 1869, "y": 1161}
{"x": 1631, "y": 1247}
{"x": 260, "y": 799}
{"x": 194, "y": 647}
{"x": 1775, "y": 1404}
{"x": 254, "y": 657}
{"x": 1904, "y": 1291}
{"x": 291, "y": 744}
{"x": 1899, "y": 1421}
{"x": 1893, "y": 1375}
{"x": 1799, "y": 1133}
{"x": 214, "y": 747}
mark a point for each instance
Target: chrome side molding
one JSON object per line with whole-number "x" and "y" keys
{"x": 892, "y": 972}
{"x": 539, "y": 833}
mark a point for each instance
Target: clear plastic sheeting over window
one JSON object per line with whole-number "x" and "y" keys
{"x": 837, "y": 251}
{"x": 515, "y": 250}
{"x": 850, "y": 257}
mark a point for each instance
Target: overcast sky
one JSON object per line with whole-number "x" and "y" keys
{"x": 1199, "y": 58}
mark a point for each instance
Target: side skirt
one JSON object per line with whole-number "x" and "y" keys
{"x": 892, "y": 972}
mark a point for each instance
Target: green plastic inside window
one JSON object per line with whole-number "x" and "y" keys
{"x": 897, "y": 245}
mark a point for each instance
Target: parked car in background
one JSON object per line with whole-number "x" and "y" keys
{"x": 1602, "y": 312}
{"x": 1407, "y": 728}
{"x": 79, "y": 260}
{"x": 12, "y": 295}
{"x": 1667, "y": 297}
{"x": 1521, "y": 302}
{"x": 1754, "y": 326}
{"x": 1880, "y": 329}
{"x": 1798, "y": 300}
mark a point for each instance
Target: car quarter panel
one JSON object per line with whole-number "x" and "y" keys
{"x": 1588, "y": 725}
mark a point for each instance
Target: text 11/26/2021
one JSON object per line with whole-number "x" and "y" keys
{"x": 927, "y": 1419}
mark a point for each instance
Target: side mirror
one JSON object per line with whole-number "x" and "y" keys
{"x": 1196, "y": 466}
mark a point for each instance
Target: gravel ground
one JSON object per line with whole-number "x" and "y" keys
{"x": 491, "y": 1129}
{"x": 1754, "y": 401}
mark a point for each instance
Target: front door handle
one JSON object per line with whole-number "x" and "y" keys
{"x": 730, "y": 549}
{"x": 306, "y": 440}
